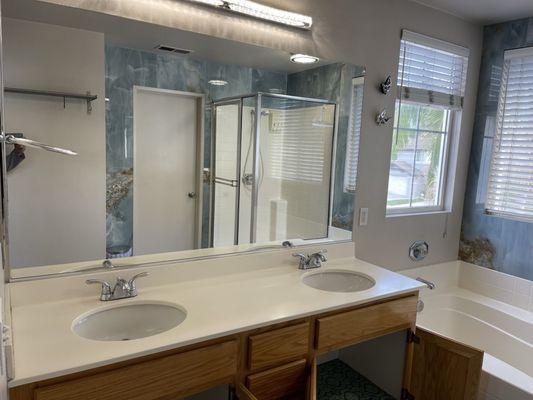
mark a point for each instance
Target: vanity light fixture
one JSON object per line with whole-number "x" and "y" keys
{"x": 260, "y": 11}
{"x": 214, "y": 3}
{"x": 218, "y": 82}
{"x": 304, "y": 59}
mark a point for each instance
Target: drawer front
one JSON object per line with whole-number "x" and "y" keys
{"x": 176, "y": 375}
{"x": 365, "y": 323}
{"x": 287, "y": 381}
{"x": 278, "y": 346}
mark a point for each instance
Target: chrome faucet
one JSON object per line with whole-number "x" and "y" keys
{"x": 123, "y": 289}
{"x": 310, "y": 261}
{"x": 429, "y": 284}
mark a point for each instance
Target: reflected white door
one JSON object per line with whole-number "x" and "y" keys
{"x": 164, "y": 171}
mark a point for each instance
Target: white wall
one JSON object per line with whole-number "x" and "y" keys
{"x": 56, "y": 203}
{"x": 364, "y": 32}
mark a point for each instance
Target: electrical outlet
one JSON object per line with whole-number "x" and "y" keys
{"x": 363, "y": 216}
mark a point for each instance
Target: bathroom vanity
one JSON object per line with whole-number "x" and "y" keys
{"x": 264, "y": 344}
{"x": 273, "y": 362}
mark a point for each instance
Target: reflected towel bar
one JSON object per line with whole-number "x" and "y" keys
{"x": 88, "y": 97}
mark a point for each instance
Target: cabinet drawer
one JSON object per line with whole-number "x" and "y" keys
{"x": 278, "y": 346}
{"x": 176, "y": 375}
{"x": 286, "y": 381}
{"x": 364, "y": 323}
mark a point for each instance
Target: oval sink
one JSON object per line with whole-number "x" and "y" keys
{"x": 129, "y": 321}
{"x": 339, "y": 281}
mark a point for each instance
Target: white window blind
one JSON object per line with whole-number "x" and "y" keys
{"x": 510, "y": 186}
{"x": 431, "y": 71}
{"x": 354, "y": 133}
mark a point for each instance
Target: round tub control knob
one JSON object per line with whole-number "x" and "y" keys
{"x": 418, "y": 250}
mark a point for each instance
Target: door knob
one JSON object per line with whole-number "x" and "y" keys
{"x": 191, "y": 195}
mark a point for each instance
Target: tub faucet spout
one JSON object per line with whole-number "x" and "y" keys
{"x": 429, "y": 284}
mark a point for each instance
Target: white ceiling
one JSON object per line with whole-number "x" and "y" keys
{"x": 484, "y": 11}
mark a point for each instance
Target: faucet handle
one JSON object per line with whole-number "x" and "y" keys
{"x": 106, "y": 288}
{"x": 322, "y": 255}
{"x": 131, "y": 282}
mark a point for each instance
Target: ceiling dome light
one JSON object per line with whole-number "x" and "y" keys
{"x": 304, "y": 59}
{"x": 218, "y": 82}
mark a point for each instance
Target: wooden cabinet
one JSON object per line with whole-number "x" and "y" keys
{"x": 286, "y": 381}
{"x": 278, "y": 346}
{"x": 443, "y": 369}
{"x": 347, "y": 328}
{"x": 277, "y": 362}
{"x": 175, "y": 376}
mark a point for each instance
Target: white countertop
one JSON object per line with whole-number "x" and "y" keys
{"x": 46, "y": 347}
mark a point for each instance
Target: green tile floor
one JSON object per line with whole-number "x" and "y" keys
{"x": 337, "y": 381}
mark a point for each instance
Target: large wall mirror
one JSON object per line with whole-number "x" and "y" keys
{"x": 187, "y": 145}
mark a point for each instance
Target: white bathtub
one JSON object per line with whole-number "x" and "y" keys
{"x": 504, "y": 332}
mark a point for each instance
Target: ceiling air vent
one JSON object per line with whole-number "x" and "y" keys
{"x": 171, "y": 49}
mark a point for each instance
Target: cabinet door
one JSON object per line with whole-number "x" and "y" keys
{"x": 173, "y": 376}
{"x": 312, "y": 384}
{"x": 443, "y": 369}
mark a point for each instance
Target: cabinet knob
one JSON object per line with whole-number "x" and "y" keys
{"x": 191, "y": 195}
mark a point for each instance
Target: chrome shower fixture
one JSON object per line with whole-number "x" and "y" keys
{"x": 386, "y": 85}
{"x": 418, "y": 250}
{"x": 382, "y": 118}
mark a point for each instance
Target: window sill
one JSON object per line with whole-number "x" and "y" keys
{"x": 407, "y": 213}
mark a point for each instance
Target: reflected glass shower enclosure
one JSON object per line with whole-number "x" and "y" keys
{"x": 272, "y": 164}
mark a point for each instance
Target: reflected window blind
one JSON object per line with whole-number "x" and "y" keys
{"x": 354, "y": 133}
{"x": 431, "y": 71}
{"x": 510, "y": 186}
{"x": 299, "y": 141}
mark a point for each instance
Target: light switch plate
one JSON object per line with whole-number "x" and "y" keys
{"x": 363, "y": 216}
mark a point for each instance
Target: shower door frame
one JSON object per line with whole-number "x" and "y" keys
{"x": 213, "y": 181}
{"x": 255, "y": 186}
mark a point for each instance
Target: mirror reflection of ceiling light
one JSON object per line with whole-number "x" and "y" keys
{"x": 218, "y": 82}
{"x": 214, "y": 3}
{"x": 257, "y": 10}
{"x": 304, "y": 59}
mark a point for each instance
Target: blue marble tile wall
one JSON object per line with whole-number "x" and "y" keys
{"x": 332, "y": 82}
{"x": 127, "y": 67}
{"x": 501, "y": 244}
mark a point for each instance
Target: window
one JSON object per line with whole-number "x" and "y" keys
{"x": 510, "y": 182}
{"x": 354, "y": 133}
{"x": 431, "y": 84}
